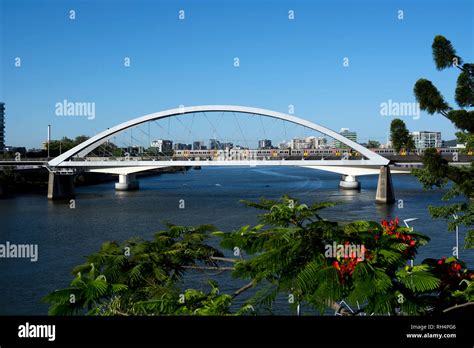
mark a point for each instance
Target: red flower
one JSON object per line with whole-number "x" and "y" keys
{"x": 456, "y": 266}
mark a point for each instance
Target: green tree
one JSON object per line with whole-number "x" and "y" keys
{"x": 140, "y": 277}
{"x": 373, "y": 144}
{"x": 285, "y": 254}
{"x": 80, "y": 139}
{"x": 56, "y": 147}
{"x": 288, "y": 250}
{"x": 437, "y": 172}
{"x": 400, "y": 136}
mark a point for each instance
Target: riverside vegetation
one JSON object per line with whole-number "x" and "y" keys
{"x": 283, "y": 254}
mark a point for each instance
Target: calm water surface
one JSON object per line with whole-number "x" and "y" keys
{"x": 64, "y": 236}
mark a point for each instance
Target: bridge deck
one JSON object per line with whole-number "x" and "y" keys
{"x": 95, "y": 164}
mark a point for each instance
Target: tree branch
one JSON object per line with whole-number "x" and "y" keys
{"x": 225, "y": 259}
{"x": 444, "y": 113}
{"x": 462, "y": 68}
{"x": 242, "y": 289}
{"x": 458, "y": 306}
{"x": 210, "y": 268}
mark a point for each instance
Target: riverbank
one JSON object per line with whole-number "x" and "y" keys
{"x": 36, "y": 180}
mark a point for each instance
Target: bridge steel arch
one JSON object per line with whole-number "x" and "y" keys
{"x": 95, "y": 141}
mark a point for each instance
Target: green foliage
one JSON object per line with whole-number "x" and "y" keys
{"x": 288, "y": 253}
{"x": 191, "y": 302}
{"x": 437, "y": 172}
{"x": 60, "y": 146}
{"x": 454, "y": 278}
{"x": 429, "y": 97}
{"x": 400, "y": 136}
{"x": 443, "y": 52}
{"x": 463, "y": 120}
{"x": 418, "y": 279}
{"x": 7, "y": 175}
{"x": 465, "y": 85}
{"x": 129, "y": 277}
{"x": 468, "y": 293}
{"x": 56, "y": 147}
{"x": 373, "y": 144}
{"x": 290, "y": 257}
{"x": 86, "y": 292}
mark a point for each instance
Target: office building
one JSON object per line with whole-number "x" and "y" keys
{"x": 264, "y": 144}
{"x": 215, "y": 144}
{"x": 199, "y": 145}
{"x": 162, "y": 145}
{"x": 426, "y": 139}
{"x": 311, "y": 142}
{"x": 315, "y": 142}
{"x": 181, "y": 146}
{"x": 345, "y": 132}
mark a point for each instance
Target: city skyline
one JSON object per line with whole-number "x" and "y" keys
{"x": 343, "y": 131}
{"x": 422, "y": 140}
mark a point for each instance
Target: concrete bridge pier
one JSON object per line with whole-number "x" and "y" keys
{"x": 385, "y": 193}
{"x": 127, "y": 182}
{"x": 60, "y": 186}
{"x": 349, "y": 182}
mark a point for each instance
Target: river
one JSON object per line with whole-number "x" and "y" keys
{"x": 211, "y": 195}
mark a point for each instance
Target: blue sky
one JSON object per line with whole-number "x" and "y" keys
{"x": 190, "y": 62}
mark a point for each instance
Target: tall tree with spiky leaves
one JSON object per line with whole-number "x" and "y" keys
{"x": 437, "y": 171}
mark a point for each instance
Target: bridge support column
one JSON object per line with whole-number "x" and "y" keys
{"x": 127, "y": 182}
{"x": 349, "y": 182}
{"x": 60, "y": 186}
{"x": 385, "y": 193}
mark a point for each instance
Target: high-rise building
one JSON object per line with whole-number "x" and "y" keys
{"x": 199, "y": 145}
{"x": 2, "y": 126}
{"x": 310, "y": 142}
{"x": 181, "y": 146}
{"x": 264, "y": 144}
{"x": 215, "y": 144}
{"x": 345, "y": 132}
{"x": 426, "y": 139}
{"x": 225, "y": 146}
{"x": 299, "y": 144}
{"x": 162, "y": 145}
{"x": 315, "y": 142}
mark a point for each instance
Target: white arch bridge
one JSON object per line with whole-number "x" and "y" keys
{"x": 75, "y": 160}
